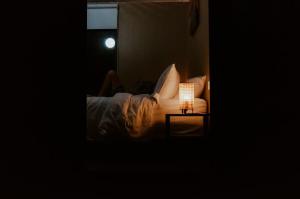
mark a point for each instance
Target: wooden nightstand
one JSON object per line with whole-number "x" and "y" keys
{"x": 205, "y": 121}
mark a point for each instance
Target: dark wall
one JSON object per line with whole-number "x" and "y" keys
{"x": 232, "y": 66}
{"x": 253, "y": 57}
{"x": 100, "y": 59}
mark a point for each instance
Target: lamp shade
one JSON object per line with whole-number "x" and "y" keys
{"x": 186, "y": 96}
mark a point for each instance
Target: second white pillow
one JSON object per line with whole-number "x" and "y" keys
{"x": 199, "y": 85}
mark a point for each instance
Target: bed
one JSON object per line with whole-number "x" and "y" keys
{"x": 142, "y": 116}
{"x": 137, "y": 117}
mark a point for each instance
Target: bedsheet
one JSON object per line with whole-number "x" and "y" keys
{"x": 123, "y": 114}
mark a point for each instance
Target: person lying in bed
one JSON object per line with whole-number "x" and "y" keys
{"x": 112, "y": 85}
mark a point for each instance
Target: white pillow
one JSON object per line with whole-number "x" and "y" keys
{"x": 168, "y": 83}
{"x": 199, "y": 83}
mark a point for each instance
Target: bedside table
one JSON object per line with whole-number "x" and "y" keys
{"x": 169, "y": 115}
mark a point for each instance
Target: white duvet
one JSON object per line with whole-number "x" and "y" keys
{"x": 123, "y": 114}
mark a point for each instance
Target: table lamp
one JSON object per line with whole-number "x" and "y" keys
{"x": 186, "y": 97}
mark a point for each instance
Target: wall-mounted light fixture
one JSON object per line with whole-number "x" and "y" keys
{"x": 186, "y": 97}
{"x": 110, "y": 42}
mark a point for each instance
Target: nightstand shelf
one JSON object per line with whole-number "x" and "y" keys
{"x": 195, "y": 134}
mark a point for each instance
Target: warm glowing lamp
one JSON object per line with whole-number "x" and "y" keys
{"x": 186, "y": 97}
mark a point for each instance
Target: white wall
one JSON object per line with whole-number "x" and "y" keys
{"x": 151, "y": 37}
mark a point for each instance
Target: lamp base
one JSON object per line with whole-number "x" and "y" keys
{"x": 184, "y": 111}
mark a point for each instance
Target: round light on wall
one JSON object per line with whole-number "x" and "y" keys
{"x": 110, "y": 42}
